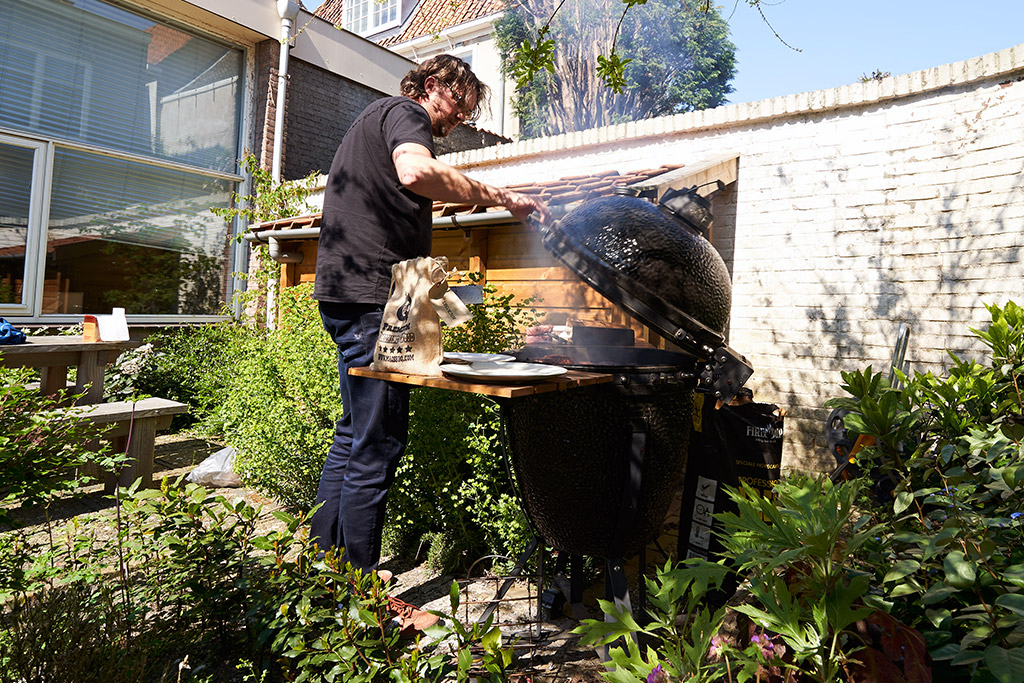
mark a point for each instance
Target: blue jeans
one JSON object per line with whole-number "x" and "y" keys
{"x": 368, "y": 441}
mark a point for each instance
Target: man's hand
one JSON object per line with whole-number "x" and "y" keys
{"x": 521, "y": 206}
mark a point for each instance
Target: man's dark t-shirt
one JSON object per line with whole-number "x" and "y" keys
{"x": 370, "y": 221}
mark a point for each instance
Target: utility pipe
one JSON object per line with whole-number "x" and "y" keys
{"x": 273, "y": 239}
{"x": 287, "y": 10}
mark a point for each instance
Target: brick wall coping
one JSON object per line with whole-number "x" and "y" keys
{"x": 1002, "y": 63}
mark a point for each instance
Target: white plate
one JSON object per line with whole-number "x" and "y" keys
{"x": 467, "y": 357}
{"x": 504, "y": 372}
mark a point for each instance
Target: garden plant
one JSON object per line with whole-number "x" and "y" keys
{"x": 912, "y": 570}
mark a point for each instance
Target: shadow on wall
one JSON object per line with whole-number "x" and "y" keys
{"x": 914, "y": 257}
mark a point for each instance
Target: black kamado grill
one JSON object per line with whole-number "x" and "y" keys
{"x": 597, "y": 466}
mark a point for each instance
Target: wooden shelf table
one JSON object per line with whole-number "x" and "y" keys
{"x": 571, "y": 380}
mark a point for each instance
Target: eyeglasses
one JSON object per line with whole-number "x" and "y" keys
{"x": 459, "y": 99}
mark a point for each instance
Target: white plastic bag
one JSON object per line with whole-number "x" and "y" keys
{"x": 217, "y": 470}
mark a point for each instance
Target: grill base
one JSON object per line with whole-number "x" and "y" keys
{"x": 597, "y": 467}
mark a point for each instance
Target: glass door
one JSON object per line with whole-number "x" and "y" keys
{"x": 22, "y": 178}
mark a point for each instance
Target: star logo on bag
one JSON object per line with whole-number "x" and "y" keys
{"x": 408, "y": 349}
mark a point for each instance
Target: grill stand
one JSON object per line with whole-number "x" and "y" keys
{"x": 616, "y": 585}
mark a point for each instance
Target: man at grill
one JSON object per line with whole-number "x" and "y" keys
{"x": 377, "y": 212}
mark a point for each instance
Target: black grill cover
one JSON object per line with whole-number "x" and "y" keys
{"x": 652, "y": 264}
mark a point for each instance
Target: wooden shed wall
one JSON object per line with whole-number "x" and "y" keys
{"x": 514, "y": 261}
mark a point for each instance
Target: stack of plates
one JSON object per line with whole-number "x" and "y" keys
{"x": 498, "y": 368}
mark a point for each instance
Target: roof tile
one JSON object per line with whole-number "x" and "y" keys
{"x": 429, "y": 16}
{"x": 434, "y": 16}
{"x": 560, "y": 192}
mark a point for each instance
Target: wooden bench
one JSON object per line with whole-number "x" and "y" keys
{"x": 139, "y": 419}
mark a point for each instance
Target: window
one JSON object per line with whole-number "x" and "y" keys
{"x": 140, "y": 120}
{"x": 22, "y": 162}
{"x": 370, "y": 16}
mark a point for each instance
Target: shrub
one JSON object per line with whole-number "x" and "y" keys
{"x": 191, "y": 586}
{"x": 949, "y": 556}
{"x": 282, "y": 403}
{"x": 452, "y": 488}
{"x": 919, "y": 579}
{"x": 43, "y": 453}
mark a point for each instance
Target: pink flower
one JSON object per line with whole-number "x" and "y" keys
{"x": 657, "y": 675}
{"x": 717, "y": 646}
{"x": 764, "y": 644}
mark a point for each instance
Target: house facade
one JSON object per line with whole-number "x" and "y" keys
{"x": 123, "y": 123}
{"x": 421, "y": 29}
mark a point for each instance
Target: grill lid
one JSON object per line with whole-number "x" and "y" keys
{"x": 656, "y": 265}
{"x": 652, "y": 264}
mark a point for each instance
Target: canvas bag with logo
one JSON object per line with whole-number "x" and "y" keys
{"x": 410, "y": 330}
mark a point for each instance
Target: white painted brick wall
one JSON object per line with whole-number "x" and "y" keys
{"x": 853, "y": 212}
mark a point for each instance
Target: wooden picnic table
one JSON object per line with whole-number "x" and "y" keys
{"x": 53, "y": 355}
{"x": 570, "y": 380}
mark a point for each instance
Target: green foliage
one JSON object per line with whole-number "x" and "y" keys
{"x": 876, "y": 75}
{"x": 452, "y": 487}
{"x": 531, "y": 58}
{"x": 658, "y": 57}
{"x": 949, "y": 553}
{"x": 190, "y": 575}
{"x": 269, "y": 201}
{"x": 796, "y": 551}
{"x": 497, "y": 323}
{"x": 676, "y": 594}
{"x": 335, "y": 625}
{"x": 810, "y": 602}
{"x": 43, "y": 452}
{"x": 612, "y": 69}
{"x": 281, "y": 403}
{"x": 194, "y": 365}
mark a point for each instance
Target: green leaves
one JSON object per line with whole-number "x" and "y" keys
{"x": 900, "y": 570}
{"x": 611, "y": 69}
{"x": 268, "y": 201}
{"x": 533, "y": 57}
{"x": 1013, "y": 602}
{"x": 684, "y": 644}
{"x": 593, "y": 63}
{"x": 1006, "y": 666}
{"x": 950, "y": 541}
{"x": 960, "y": 572}
{"x": 42, "y": 450}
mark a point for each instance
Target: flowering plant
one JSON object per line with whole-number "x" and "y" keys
{"x": 129, "y": 373}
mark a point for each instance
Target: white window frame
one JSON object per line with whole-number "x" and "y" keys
{"x": 39, "y": 201}
{"x": 370, "y": 11}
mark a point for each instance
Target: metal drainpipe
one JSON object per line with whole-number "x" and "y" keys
{"x": 287, "y": 10}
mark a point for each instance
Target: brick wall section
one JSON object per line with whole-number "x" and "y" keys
{"x": 321, "y": 107}
{"x": 856, "y": 209}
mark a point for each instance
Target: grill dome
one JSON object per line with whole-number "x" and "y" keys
{"x": 651, "y": 263}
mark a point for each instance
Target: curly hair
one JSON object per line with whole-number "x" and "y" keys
{"x": 450, "y": 71}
